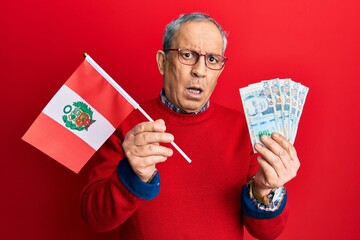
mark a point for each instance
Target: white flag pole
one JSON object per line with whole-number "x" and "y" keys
{"x": 128, "y": 98}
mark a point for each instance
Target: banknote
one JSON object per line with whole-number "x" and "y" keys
{"x": 276, "y": 92}
{"x": 302, "y": 94}
{"x": 259, "y": 112}
{"x": 285, "y": 105}
{"x": 273, "y": 105}
{"x": 294, "y": 87}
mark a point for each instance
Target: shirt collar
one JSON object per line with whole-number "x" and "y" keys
{"x": 170, "y": 105}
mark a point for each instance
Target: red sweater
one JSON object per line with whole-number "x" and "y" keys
{"x": 200, "y": 200}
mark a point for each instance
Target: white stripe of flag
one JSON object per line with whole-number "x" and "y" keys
{"x": 98, "y": 132}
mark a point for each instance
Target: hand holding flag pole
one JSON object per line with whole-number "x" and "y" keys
{"x": 129, "y": 98}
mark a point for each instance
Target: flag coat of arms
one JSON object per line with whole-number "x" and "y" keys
{"x": 80, "y": 117}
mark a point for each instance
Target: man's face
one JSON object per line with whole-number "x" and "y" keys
{"x": 190, "y": 87}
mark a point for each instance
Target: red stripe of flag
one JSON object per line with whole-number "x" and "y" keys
{"x": 72, "y": 152}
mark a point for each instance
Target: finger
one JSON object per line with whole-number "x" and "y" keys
{"x": 285, "y": 144}
{"x": 152, "y": 138}
{"x": 153, "y": 160}
{"x": 151, "y": 150}
{"x": 280, "y": 150}
{"x": 272, "y": 159}
{"x": 279, "y": 153}
{"x": 293, "y": 163}
{"x": 156, "y": 126}
{"x": 270, "y": 175}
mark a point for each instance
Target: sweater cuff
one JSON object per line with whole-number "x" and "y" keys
{"x": 133, "y": 183}
{"x": 252, "y": 208}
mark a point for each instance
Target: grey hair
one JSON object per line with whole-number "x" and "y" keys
{"x": 174, "y": 26}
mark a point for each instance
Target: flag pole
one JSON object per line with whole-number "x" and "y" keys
{"x": 128, "y": 98}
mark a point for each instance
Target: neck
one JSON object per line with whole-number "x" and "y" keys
{"x": 175, "y": 108}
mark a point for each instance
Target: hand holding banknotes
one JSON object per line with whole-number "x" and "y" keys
{"x": 278, "y": 163}
{"x": 273, "y": 109}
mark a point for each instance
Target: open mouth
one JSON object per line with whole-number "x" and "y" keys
{"x": 195, "y": 90}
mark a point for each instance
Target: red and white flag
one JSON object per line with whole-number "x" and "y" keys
{"x": 80, "y": 117}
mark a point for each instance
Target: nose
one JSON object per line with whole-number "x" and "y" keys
{"x": 199, "y": 69}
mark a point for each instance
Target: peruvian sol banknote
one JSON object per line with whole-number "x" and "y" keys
{"x": 273, "y": 106}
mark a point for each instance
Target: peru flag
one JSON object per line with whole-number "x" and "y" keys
{"x": 80, "y": 117}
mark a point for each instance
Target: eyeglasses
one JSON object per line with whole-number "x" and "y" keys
{"x": 190, "y": 57}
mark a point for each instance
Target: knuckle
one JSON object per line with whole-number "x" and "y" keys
{"x": 134, "y": 151}
{"x": 127, "y": 152}
{"x": 151, "y": 148}
{"x": 276, "y": 161}
{"x": 144, "y": 138}
{"x": 140, "y": 127}
{"x": 155, "y": 149}
{"x": 282, "y": 153}
{"x": 128, "y": 138}
{"x": 128, "y": 149}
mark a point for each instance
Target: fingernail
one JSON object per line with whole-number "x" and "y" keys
{"x": 160, "y": 120}
{"x": 258, "y": 146}
{"x": 169, "y": 137}
{"x": 161, "y": 128}
{"x": 276, "y": 135}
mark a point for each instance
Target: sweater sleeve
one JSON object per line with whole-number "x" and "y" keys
{"x": 266, "y": 229}
{"x": 146, "y": 191}
{"x": 264, "y": 223}
{"x": 260, "y": 221}
{"x": 109, "y": 199}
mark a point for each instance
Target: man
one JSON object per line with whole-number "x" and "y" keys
{"x": 223, "y": 188}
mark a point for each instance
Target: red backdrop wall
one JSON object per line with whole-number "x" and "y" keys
{"x": 313, "y": 42}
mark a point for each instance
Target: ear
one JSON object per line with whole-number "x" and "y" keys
{"x": 160, "y": 59}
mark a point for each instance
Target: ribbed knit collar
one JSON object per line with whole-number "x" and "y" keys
{"x": 164, "y": 112}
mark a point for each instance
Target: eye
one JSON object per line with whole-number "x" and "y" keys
{"x": 187, "y": 54}
{"x": 213, "y": 59}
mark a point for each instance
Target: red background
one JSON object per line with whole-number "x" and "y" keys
{"x": 312, "y": 42}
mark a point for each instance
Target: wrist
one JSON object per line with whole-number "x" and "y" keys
{"x": 152, "y": 176}
{"x": 259, "y": 190}
{"x": 262, "y": 195}
{"x": 134, "y": 184}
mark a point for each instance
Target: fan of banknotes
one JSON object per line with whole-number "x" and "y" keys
{"x": 273, "y": 106}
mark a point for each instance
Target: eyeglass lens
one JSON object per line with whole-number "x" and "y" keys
{"x": 191, "y": 57}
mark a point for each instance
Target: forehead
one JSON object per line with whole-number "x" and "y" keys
{"x": 200, "y": 36}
